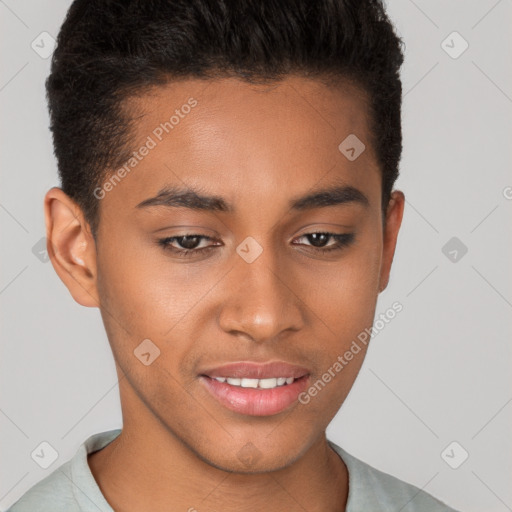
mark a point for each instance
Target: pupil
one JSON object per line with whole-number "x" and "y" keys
{"x": 314, "y": 238}
{"x": 188, "y": 242}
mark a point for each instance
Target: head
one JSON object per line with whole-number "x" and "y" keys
{"x": 227, "y": 173}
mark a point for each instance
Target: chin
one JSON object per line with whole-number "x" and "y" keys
{"x": 262, "y": 466}
{"x": 249, "y": 459}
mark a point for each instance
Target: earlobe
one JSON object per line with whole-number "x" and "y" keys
{"x": 393, "y": 222}
{"x": 71, "y": 246}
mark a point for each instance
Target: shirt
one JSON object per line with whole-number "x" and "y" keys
{"x": 72, "y": 488}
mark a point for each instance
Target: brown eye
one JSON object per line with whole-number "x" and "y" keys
{"x": 319, "y": 241}
{"x": 187, "y": 244}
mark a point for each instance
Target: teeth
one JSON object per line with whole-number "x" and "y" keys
{"x": 249, "y": 383}
{"x": 256, "y": 383}
{"x": 268, "y": 383}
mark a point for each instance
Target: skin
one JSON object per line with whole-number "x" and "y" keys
{"x": 179, "y": 448}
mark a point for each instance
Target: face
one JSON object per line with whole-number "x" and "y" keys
{"x": 241, "y": 244}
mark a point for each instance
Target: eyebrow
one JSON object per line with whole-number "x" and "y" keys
{"x": 186, "y": 197}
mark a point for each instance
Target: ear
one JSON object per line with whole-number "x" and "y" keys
{"x": 71, "y": 246}
{"x": 393, "y": 221}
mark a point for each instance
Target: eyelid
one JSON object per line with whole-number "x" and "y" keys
{"x": 188, "y": 230}
{"x": 342, "y": 240}
{"x": 325, "y": 227}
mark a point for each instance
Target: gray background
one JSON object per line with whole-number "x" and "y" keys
{"x": 439, "y": 372}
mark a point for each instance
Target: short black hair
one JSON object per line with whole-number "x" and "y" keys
{"x": 110, "y": 50}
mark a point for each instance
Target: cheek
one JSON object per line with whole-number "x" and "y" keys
{"x": 147, "y": 292}
{"x": 146, "y": 295}
{"x": 344, "y": 294}
{"x": 151, "y": 295}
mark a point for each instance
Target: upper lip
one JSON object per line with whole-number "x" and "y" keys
{"x": 254, "y": 370}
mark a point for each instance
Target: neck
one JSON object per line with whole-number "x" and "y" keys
{"x": 138, "y": 472}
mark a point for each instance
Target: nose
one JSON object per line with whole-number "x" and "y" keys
{"x": 261, "y": 299}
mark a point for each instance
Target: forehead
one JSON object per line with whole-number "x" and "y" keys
{"x": 302, "y": 108}
{"x": 246, "y": 141}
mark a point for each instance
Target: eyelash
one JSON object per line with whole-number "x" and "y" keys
{"x": 342, "y": 241}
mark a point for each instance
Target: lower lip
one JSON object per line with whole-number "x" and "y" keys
{"x": 255, "y": 401}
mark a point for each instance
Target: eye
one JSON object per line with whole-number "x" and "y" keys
{"x": 188, "y": 243}
{"x": 319, "y": 241}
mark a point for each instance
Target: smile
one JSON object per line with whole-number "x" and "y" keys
{"x": 255, "y": 388}
{"x": 270, "y": 383}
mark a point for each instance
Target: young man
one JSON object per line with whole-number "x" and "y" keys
{"x": 227, "y": 172}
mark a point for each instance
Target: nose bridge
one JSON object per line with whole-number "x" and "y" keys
{"x": 260, "y": 301}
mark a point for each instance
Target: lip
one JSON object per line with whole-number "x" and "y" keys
{"x": 254, "y": 370}
{"x": 255, "y": 401}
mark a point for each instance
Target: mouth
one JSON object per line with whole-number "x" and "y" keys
{"x": 271, "y": 383}
{"x": 256, "y": 389}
